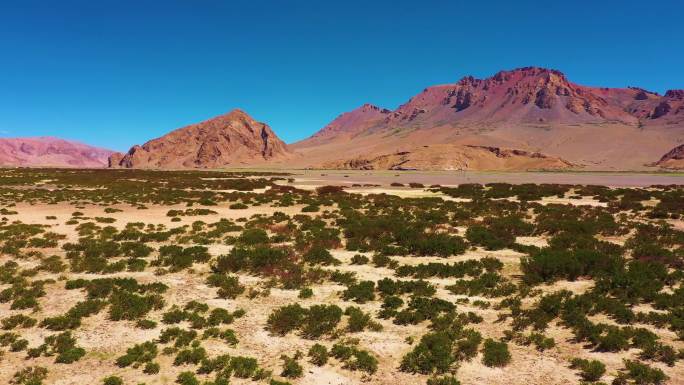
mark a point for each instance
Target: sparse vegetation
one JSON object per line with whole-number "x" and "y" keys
{"x": 335, "y": 274}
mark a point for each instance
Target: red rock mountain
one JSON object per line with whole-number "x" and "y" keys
{"x": 233, "y": 139}
{"x": 529, "y": 109}
{"x": 50, "y": 152}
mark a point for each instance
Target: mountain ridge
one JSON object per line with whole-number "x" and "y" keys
{"x": 50, "y": 151}
{"x": 529, "y": 109}
{"x": 536, "y": 86}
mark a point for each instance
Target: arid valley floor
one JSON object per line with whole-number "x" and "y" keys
{"x": 330, "y": 277}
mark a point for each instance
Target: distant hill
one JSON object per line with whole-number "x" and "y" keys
{"x": 50, "y": 152}
{"x": 233, "y": 139}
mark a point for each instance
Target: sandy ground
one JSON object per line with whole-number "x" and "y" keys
{"x": 452, "y": 178}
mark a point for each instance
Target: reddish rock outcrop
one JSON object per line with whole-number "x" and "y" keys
{"x": 233, "y": 139}
{"x": 115, "y": 159}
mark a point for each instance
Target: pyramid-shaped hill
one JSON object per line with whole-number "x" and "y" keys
{"x": 232, "y": 139}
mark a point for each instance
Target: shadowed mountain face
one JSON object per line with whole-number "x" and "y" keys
{"x": 674, "y": 159}
{"x": 529, "y": 109}
{"x": 52, "y": 152}
{"x": 233, "y": 139}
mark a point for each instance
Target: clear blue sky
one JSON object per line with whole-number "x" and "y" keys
{"x": 116, "y": 73}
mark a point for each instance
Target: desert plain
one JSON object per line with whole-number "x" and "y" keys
{"x": 340, "y": 277}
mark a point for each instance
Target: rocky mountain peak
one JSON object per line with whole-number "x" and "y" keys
{"x": 675, "y": 94}
{"x": 233, "y": 138}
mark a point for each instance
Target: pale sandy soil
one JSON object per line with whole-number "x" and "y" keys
{"x": 584, "y": 201}
{"x": 453, "y": 178}
{"x": 35, "y": 214}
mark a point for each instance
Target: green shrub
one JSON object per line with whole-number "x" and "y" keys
{"x": 318, "y": 355}
{"x": 305, "y": 293}
{"x": 151, "y": 368}
{"x": 291, "y": 368}
{"x": 179, "y": 258}
{"x": 174, "y": 316}
{"x": 62, "y": 345}
{"x": 112, "y": 380}
{"x": 276, "y": 382}
{"x": 439, "y": 244}
{"x": 243, "y": 367}
{"x": 358, "y": 320}
{"x": 229, "y": 286}
{"x": 329, "y": 190}
{"x": 354, "y": 358}
{"x": 444, "y": 380}
{"x": 318, "y": 255}
{"x": 363, "y": 361}
{"x": 359, "y": 259}
{"x": 361, "y": 292}
{"x": 193, "y": 355}
{"x": 310, "y": 209}
{"x": 187, "y": 378}
{"x": 146, "y": 324}
{"x": 614, "y": 340}
{"x": 490, "y": 240}
{"x": 180, "y": 336}
{"x": 53, "y": 264}
{"x": 286, "y": 319}
{"x": 138, "y": 354}
{"x": 434, "y": 354}
{"x": 539, "y": 340}
{"x": 641, "y": 374}
{"x": 320, "y": 320}
{"x": 220, "y": 316}
{"x": 466, "y": 348}
{"x": 60, "y": 323}
{"x": 421, "y": 309}
{"x": 495, "y": 354}
{"x": 253, "y": 237}
{"x": 257, "y": 259}
{"x": 380, "y": 260}
{"x": 32, "y": 375}
{"x": 70, "y": 355}
{"x": 589, "y": 370}
{"x": 18, "y": 345}
{"x": 18, "y": 320}
{"x": 347, "y": 278}
{"x": 130, "y": 306}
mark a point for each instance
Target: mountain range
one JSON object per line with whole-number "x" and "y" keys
{"x": 523, "y": 119}
{"x": 528, "y": 109}
{"x": 50, "y": 152}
